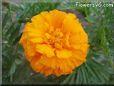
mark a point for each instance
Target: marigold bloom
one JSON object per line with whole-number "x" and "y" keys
{"x": 55, "y": 42}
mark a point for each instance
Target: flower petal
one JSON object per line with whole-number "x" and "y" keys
{"x": 63, "y": 53}
{"x": 45, "y": 49}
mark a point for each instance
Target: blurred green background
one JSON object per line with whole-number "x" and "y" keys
{"x": 98, "y": 22}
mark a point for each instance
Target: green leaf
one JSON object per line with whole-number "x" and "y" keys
{"x": 90, "y": 19}
{"x": 12, "y": 69}
{"x": 67, "y": 79}
{"x": 90, "y": 72}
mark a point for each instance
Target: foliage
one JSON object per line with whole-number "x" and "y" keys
{"x": 99, "y": 68}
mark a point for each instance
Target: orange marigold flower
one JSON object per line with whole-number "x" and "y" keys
{"x": 55, "y": 43}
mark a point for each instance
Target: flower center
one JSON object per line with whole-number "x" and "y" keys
{"x": 54, "y": 37}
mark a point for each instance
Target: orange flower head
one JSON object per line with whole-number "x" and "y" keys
{"x": 55, "y": 43}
